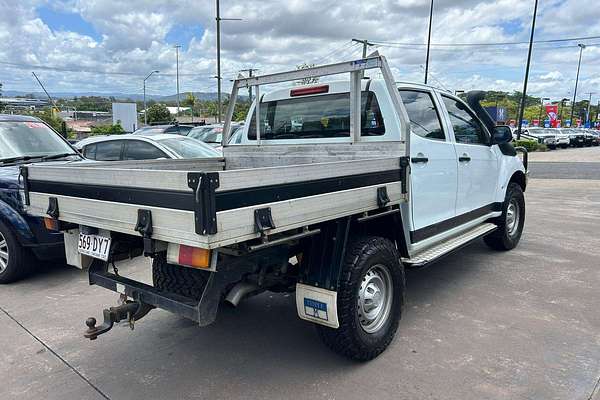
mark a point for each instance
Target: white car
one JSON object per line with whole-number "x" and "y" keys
{"x": 140, "y": 147}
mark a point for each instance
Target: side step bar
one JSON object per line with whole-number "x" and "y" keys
{"x": 433, "y": 253}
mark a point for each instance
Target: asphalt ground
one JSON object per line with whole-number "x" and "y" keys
{"x": 477, "y": 325}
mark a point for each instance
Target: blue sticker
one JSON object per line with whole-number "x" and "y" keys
{"x": 316, "y": 309}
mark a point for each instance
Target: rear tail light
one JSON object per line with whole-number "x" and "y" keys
{"x": 52, "y": 224}
{"x": 188, "y": 256}
{"x": 309, "y": 90}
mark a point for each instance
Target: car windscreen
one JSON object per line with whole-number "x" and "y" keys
{"x": 314, "y": 117}
{"x": 189, "y": 148}
{"x": 208, "y": 135}
{"x": 18, "y": 139}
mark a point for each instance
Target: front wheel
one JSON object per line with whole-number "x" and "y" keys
{"x": 369, "y": 302}
{"x": 510, "y": 223}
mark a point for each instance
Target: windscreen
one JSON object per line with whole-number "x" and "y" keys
{"x": 19, "y": 139}
{"x": 207, "y": 135}
{"x": 189, "y": 148}
{"x": 315, "y": 117}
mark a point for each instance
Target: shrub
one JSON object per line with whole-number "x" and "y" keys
{"x": 530, "y": 145}
{"x": 107, "y": 130}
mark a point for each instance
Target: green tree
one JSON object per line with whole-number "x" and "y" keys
{"x": 190, "y": 101}
{"x": 159, "y": 113}
{"x": 116, "y": 129}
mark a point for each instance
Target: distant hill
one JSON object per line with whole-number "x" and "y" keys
{"x": 119, "y": 96}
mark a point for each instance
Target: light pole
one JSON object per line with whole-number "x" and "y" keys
{"x": 522, "y": 107}
{"x": 219, "y": 77}
{"x": 541, "y": 108}
{"x": 145, "y": 109}
{"x": 177, "y": 47}
{"x": 429, "y": 41}
{"x": 581, "y": 47}
{"x": 250, "y": 71}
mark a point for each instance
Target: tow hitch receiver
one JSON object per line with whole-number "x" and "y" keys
{"x": 130, "y": 311}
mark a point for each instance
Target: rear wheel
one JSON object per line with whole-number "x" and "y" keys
{"x": 15, "y": 260}
{"x": 510, "y": 223}
{"x": 179, "y": 280}
{"x": 369, "y": 302}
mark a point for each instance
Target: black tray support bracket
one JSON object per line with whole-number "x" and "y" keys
{"x": 204, "y": 185}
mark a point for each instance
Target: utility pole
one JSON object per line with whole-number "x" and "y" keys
{"x": 177, "y": 47}
{"x": 366, "y": 45}
{"x": 145, "y": 108}
{"x": 429, "y": 41}
{"x": 219, "y": 77}
{"x": 45, "y": 91}
{"x": 249, "y": 71}
{"x": 581, "y": 47}
{"x": 522, "y": 107}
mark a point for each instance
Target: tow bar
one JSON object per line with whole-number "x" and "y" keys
{"x": 129, "y": 310}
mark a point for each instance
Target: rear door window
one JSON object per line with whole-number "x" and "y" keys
{"x": 139, "y": 150}
{"x": 316, "y": 117}
{"x": 424, "y": 119}
{"x": 109, "y": 151}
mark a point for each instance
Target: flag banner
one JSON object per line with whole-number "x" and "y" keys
{"x": 552, "y": 112}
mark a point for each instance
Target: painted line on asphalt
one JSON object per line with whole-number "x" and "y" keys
{"x": 86, "y": 380}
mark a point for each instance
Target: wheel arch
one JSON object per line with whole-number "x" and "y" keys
{"x": 519, "y": 178}
{"x": 16, "y": 223}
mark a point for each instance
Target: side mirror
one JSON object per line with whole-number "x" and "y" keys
{"x": 501, "y": 134}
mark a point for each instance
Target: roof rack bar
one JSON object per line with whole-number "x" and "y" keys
{"x": 312, "y": 72}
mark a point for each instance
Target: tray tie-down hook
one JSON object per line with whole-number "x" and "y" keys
{"x": 130, "y": 311}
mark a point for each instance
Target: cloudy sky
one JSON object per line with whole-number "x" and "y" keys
{"x": 109, "y": 45}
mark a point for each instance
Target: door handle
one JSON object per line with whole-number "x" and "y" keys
{"x": 464, "y": 158}
{"x": 416, "y": 160}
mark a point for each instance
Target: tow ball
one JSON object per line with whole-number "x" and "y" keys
{"x": 129, "y": 310}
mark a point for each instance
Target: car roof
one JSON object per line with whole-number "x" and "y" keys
{"x": 18, "y": 118}
{"x": 107, "y": 138}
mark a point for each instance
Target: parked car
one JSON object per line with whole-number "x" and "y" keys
{"x": 176, "y": 129}
{"x": 547, "y": 136}
{"x": 24, "y": 239}
{"x": 590, "y": 138}
{"x": 141, "y": 147}
{"x": 576, "y": 136}
{"x": 213, "y": 134}
{"x": 596, "y": 135}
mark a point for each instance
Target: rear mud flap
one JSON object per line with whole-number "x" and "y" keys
{"x": 317, "y": 305}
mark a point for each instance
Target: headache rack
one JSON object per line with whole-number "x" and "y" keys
{"x": 211, "y": 203}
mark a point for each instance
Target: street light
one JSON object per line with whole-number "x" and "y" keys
{"x": 541, "y": 108}
{"x": 219, "y": 77}
{"x": 522, "y": 107}
{"x": 145, "y": 109}
{"x": 581, "y": 47}
{"x": 428, "y": 41}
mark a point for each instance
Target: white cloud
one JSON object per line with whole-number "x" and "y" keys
{"x": 277, "y": 35}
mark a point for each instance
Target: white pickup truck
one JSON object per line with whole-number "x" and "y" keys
{"x": 335, "y": 189}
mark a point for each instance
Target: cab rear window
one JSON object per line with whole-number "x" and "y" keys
{"x": 316, "y": 117}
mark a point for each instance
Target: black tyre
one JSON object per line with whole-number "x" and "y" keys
{"x": 510, "y": 223}
{"x": 564, "y": 146}
{"x": 179, "y": 280}
{"x": 15, "y": 261}
{"x": 370, "y": 300}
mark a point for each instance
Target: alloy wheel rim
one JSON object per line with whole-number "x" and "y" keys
{"x": 512, "y": 217}
{"x": 375, "y": 299}
{"x": 3, "y": 253}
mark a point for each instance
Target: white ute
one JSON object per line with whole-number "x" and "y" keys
{"x": 335, "y": 189}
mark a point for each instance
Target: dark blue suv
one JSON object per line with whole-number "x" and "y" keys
{"x": 24, "y": 240}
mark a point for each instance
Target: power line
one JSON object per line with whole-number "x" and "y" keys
{"x": 485, "y": 44}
